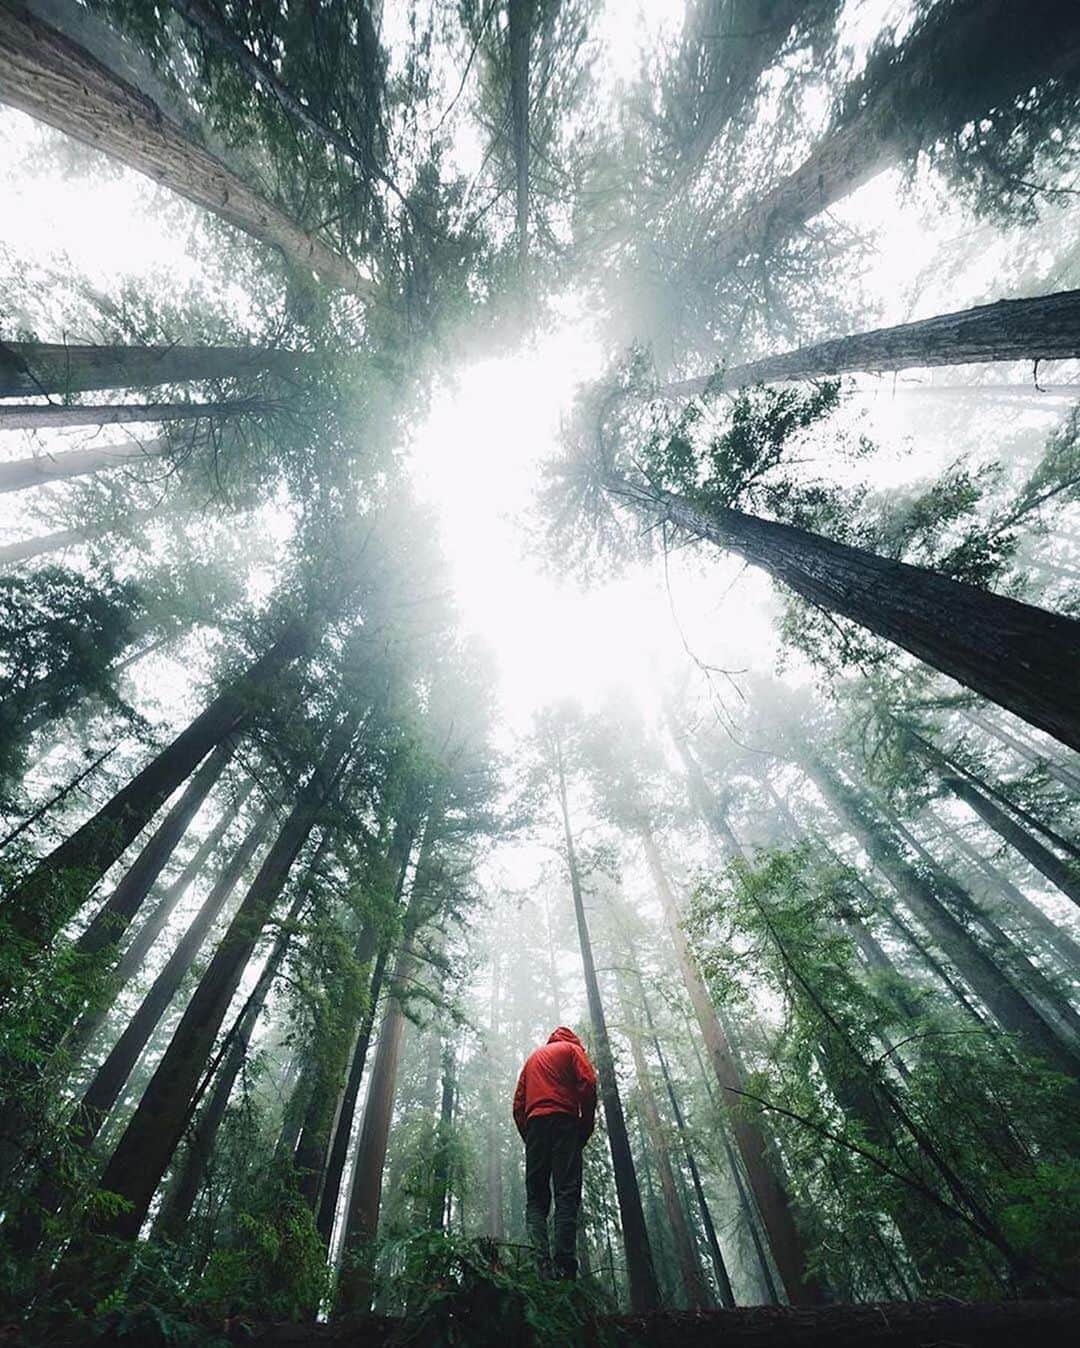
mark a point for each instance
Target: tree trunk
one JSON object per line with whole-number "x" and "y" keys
{"x": 131, "y": 960}
{"x": 43, "y": 544}
{"x": 921, "y": 895}
{"x": 44, "y": 901}
{"x": 697, "y": 1297}
{"x": 42, "y": 468}
{"x": 143, "y": 1153}
{"x": 111, "y": 1077}
{"x": 362, "y": 1219}
{"x": 312, "y": 1149}
{"x": 1015, "y": 49}
{"x": 723, "y": 1281}
{"x": 1060, "y": 874}
{"x": 1045, "y": 327}
{"x": 440, "y": 1186}
{"x": 42, "y": 416}
{"x": 644, "y": 1292}
{"x": 184, "y": 1187}
{"x": 1012, "y": 653}
{"x": 114, "y": 917}
{"x": 31, "y": 368}
{"x": 519, "y": 36}
{"x": 46, "y": 74}
{"x": 1045, "y": 928}
{"x": 702, "y": 796}
{"x": 772, "y": 1202}
{"x": 1030, "y": 752}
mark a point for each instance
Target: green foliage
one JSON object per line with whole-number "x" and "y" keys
{"x": 475, "y": 1293}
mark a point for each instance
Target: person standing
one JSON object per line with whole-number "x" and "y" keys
{"x": 555, "y": 1112}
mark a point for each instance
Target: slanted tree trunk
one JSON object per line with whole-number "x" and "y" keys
{"x": 690, "y": 1275}
{"x": 493, "y": 1180}
{"x": 41, "y": 903}
{"x": 519, "y": 35}
{"x": 131, "y": 960}
{"x": 1045, "y": 928}
{"x": 440, "y": 1176}
{"x": 31, "y": 368}
{"x": 1012, "y": 653}
{"x": 42, "y": 468}
{"x": 56, "y": 798}
{"x": 312, "y": 1148}
{"x": 113, "y": 918}
{"x": 723, "y": 1281}
{"x": 702, "y": 796}
{"x": 401, "y": 848}
{"x": 184, "y": 1187}
{"x": 1045, "y": 327}
{"x": 111, "y": 1077}
{"x": 144, "y": 1151}
{"x": 1015, "y": 49}
{"x": 772, "y": 1202}
{"x": 362, "y": 1219}
{"x": 920, "y": 893}
{"x": 1060, "y": 874}
{"x": 47, "y": 416}
{"x": 644, "y": 1292}
{"x": 43, "y": 544}
{"x": 48, "y": 75}
{"x": 1030, "y": 752}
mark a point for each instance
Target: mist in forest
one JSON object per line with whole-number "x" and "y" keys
{"x": 520, "y": 514}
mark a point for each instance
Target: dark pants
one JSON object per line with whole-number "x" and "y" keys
{"x": 553, "y": 1162}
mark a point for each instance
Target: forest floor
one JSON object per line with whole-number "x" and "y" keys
{"x": 929, "y": 1324}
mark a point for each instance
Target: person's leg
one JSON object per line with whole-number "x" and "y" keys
{"x": 566, "y": 1180}
{"x": 538, "y": 1185}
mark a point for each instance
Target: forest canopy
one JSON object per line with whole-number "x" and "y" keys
{"x": 520, "y": 514}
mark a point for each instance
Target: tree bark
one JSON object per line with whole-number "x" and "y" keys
{"x": 184, "y": 1187}
{"x": 772, "y": 1202}
{"x": 362, "y": 1219}
{"x": 1058, "y": 872}
{"x": 46, "y": 74}
{"x": 644, "y": 1292}
{"x": 519, "y": 35}
{"x": 697, "y": 1297}
{"x": 440, "y": 1177}
{"x": 131, "y": 960}
{"x": 143, "y": 1153}
{"x": 114, "y": 916}
{"x": 1044, "y": 327}
{"x": 921, "y": 895}
{"x": 111, "y": 1077}
{"x": 47, "y": 416}
{"x": 20, "y": 474}
{"x": 723, "y": 1281}
{"x": 31, "y": 368}
{"x": 44, "y": 901}
{"x": 1017, "y": 49}
{"x": 1012, "y": 653}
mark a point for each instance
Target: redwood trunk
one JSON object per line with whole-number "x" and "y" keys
{"x": 46, "y": 74}
{"x": 1014, "y": 654}
{"x": 74, "y": 867}
{"x": 41, "y": 416}
{"x": 1044, "y": 327}
{"x": 143, "y": 1153}
{"x": 644, "y": 1291}
{"x": 31, "y": 368}
{"x": 114, "y": 917}
{"x": 35, "y": 472}
{"x": 1018, "y": 47}
{"x": 785, "y": 1242}
{"x": 1030, "y": 752}
{"x": 132, "y": 959}
{"x": 519, "y": 34}
{"x": 920, "y": 893}
{"x": 690, "y": 1274}
{"x": 184, "y": 1188}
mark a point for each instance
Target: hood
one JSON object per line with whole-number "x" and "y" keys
{"x": 561, "y": 1034}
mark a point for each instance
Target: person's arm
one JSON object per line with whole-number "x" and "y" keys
{"x": 519, "y": 1105}
{"x": 586, "y": 1079}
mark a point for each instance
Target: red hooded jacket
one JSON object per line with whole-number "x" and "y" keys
{"x": 557, "y": 1079}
